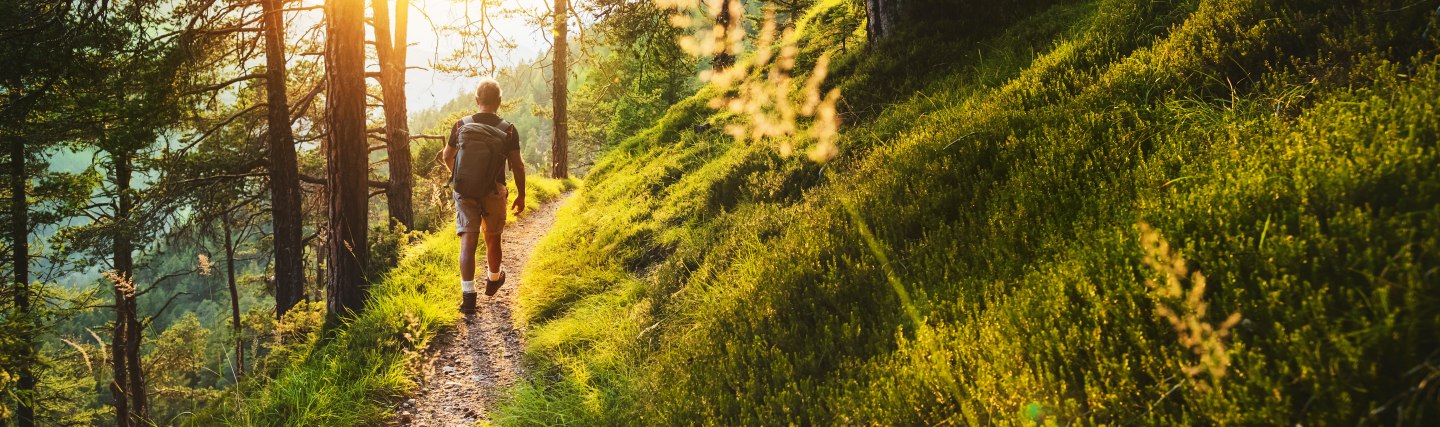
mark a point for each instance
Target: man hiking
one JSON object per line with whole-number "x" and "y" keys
{"x": 482, "y": 144}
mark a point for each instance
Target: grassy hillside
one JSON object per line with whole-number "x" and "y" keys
{"x": 349, "y": 375}
{"x": 975, "y": 255}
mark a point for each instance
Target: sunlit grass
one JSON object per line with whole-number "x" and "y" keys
{"x": 355, "y": 373}
{"x": 971, "y": 255}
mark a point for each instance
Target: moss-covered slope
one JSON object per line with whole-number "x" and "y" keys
{"x": 974, "y": 255}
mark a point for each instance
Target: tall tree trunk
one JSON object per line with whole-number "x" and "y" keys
{"x": 285, "y": 213}
{"x": 672, "y": 89}
{"x": 402, "y": 43}
{"x": 559, "y": 147}
{"x": 724, "y": 59}
{"x": 346, "y": 165}
{"x": 234, "y": 296}
{"x": 882, "y": 17}
{"x": 398, "y": 194}
{"x": 320, "y": 263}
{"x": 139, "y": 400}
{"x": 20, "y": 247}
{"x": 127, "y": 340}
{"x": 119, "y": 365}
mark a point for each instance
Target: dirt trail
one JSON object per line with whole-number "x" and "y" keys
{"x": 468, "y": 370}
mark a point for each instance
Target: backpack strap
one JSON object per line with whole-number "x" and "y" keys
{"x": 505, "y": 126}
{"x": 467, "y": 119}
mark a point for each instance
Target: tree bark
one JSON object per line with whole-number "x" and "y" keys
{"x": 234, "y": 296}
{"x": 119, "y": 365}
{"x": 724, "y": 59}
{"x": 881, "y": 19}
{"x": 286, "y": 216}
{"x": 398, "y": 194}
{"x": 559, "y": 147}
{"x": 139, "y": 400}
{"x": 20, "y": 247}
{"x": 346, "y": 165}
{"x": 127, "y": 329}
{"x": 402, "y": 27}
{"x": 320, "y": 264}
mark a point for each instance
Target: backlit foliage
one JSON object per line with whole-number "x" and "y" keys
{"x": 762, "y": 90}
{"x": 122, "y": 284}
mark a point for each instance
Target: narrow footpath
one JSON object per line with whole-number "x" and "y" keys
{"x": 468, "y": 370}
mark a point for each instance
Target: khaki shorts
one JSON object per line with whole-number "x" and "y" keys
{"x": 468, "y": 217}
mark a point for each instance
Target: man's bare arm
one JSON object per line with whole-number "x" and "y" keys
{"x": 447, "y": 157}
{"x": 517, "y": 166}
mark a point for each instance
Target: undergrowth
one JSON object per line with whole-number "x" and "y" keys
{"x": 352, "y": 374}
{"x": 973, "y": 255}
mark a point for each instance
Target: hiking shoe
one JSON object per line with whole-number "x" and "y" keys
{"x": 494, "y": 285}
{"x": 467, "y": 303}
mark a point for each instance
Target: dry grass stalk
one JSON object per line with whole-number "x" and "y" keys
{"x": 1186, "y": 309}
{"x": 767, "y": 103}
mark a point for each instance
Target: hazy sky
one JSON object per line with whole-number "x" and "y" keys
{"x": 426, "y": 88}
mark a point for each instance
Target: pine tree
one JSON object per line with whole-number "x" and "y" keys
{"x": 345, "y": 158}
{"x": 559, "y": 148}
{"x": 284, "y": 170}
{"x": 391, "y": 55}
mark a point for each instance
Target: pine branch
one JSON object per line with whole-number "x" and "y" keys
{"x": 146, "y": 323}
{"x": 322, "y": 181}
{"x": 226, "y": 83}
{"x": 222, "y": 124}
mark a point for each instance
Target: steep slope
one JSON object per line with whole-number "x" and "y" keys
{"x": 975, "y": 255}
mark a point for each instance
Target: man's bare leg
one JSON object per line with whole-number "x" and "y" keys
{"x": 468, "y": 245}
{"x": 492, "y": 255}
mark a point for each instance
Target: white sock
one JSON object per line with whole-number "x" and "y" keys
{"x": 467, "y": 286}
{"x": 495, "y": 275}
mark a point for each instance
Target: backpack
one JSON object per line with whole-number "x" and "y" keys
{"x": 480, "y": 163}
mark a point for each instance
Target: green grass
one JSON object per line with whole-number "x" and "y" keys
{"x": 352, "y": 374}
{"x": 973, "y": 255}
